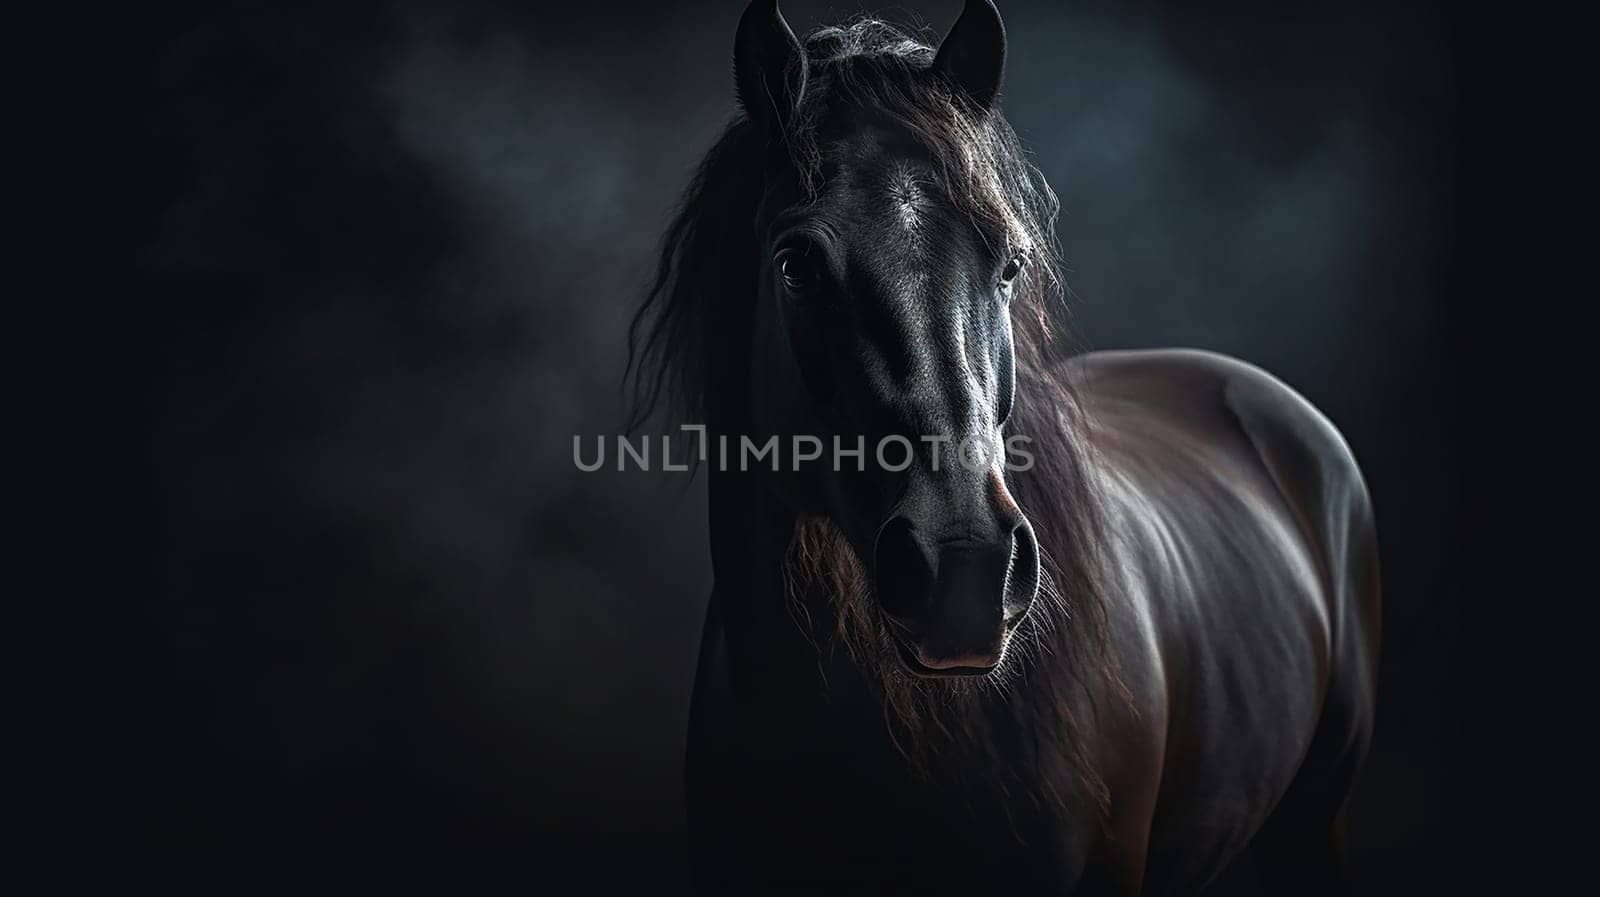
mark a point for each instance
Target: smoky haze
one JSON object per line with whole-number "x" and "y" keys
{"x": 388, "y": 257}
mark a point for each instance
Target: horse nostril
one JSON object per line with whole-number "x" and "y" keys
{"x": 1022, "y": 580}
{"x": 903, "y": 568}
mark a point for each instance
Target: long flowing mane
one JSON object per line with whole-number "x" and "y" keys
{"x": 693, "y": 331}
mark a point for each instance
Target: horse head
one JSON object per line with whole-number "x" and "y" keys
{"x": 891, "y": 250}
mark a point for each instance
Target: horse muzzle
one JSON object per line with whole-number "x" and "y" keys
{"x": 953, "y": 605}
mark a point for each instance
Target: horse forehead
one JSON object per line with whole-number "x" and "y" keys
{"x": 893, "y": 205}
{"x": 873, "y": 169}
{"x": 898, "y": 223}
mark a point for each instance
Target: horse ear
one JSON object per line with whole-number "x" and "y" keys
{"x": 973, "y": 55}
{"x": 769, "y": 65}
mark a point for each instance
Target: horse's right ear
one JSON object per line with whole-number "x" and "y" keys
{"x": 769, "y": 65}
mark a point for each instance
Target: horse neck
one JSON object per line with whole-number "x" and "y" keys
{"x": 750, "y": 534}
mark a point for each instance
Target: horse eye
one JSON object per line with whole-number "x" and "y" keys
{"x": 1012, "y": 269}
{"x": 797, "y": 275}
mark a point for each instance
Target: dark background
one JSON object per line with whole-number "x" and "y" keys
{"x": 383, "y": 257}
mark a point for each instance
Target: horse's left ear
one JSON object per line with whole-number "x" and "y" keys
{"x": 769, "y": 64}
{"x": 973, "y": 55}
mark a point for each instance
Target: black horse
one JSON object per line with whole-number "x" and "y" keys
{"x": 1148, "y": 654}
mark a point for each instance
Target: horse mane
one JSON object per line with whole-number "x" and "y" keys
{"x": 692, "y": 332}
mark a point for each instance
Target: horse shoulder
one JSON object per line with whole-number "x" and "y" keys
{"x": 1315, "y": 470}
{"x": 1246, "y": 531}
{"x": 1305, "y": 458}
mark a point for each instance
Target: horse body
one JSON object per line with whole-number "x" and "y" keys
{"x": 1111, "y": 672}
{"x": 1247, "y": 602}
{"x": 1244, "y": 627}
